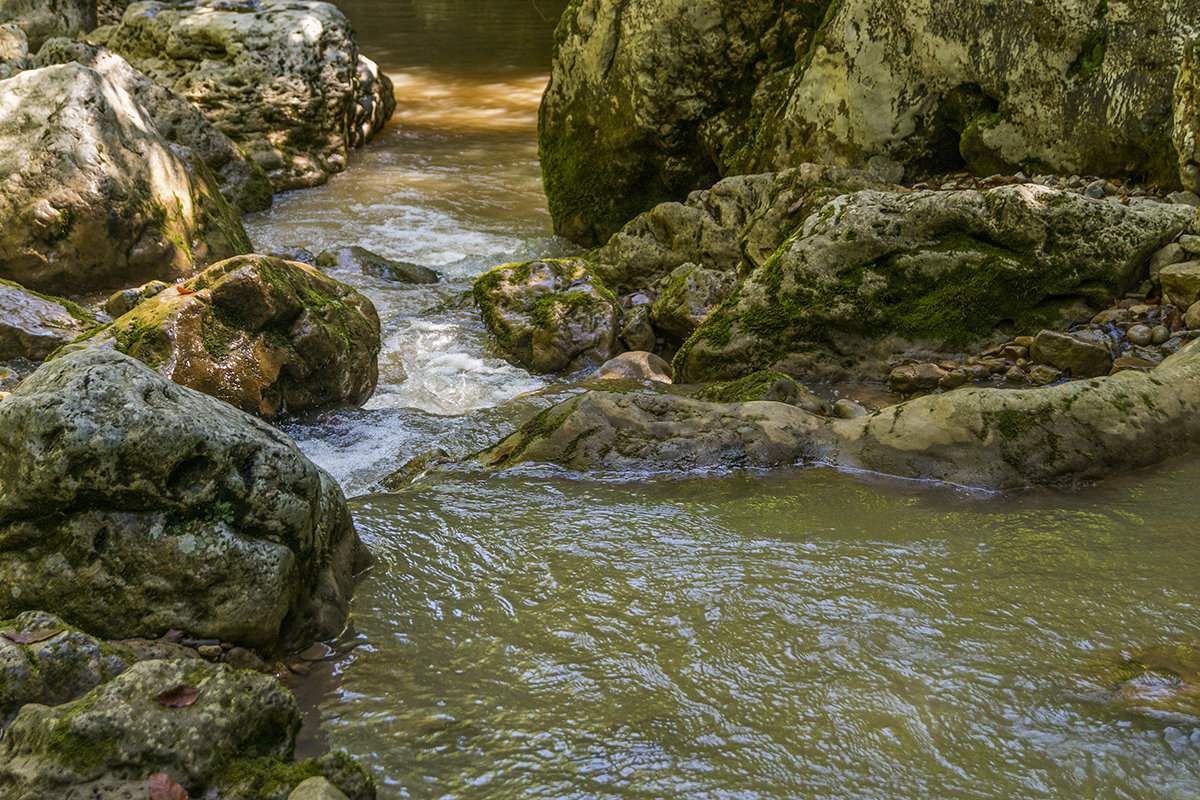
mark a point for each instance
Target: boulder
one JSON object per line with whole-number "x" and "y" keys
{"x": 637, "y": 365}
{"x": 648, "y": 101}
{"x": 44, "y": 660}
{"x": 687, "y": 296}
{"x": 42, "y": 19}
{"x": 130, "y": 505}
{"x": 241, "y": 181}
{"x": 33, "y": 325}
{"x": 1181, "y": 282}
{"x": 360, "y": 259}
{"x": 731, "y": 227}
{"x": 631, "y": 85}
{"x": 92, "y": 198}
{"x": 1081, "y": 357}
{"x": 551, "y": 315}
{"x": 265, "y": 335}
{"x": 1063, "y": 434}
{"x": 872, "y": 277}
{"x": 908, "y": 378}
{"x": 282, "y": 78}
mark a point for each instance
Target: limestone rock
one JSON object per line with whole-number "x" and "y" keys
{"x": 636, "y": 331}
{"x": 92, "y": 198}
{"x": 131, "y": 505}
{"x": 14, "y": 50}
{"x": 52, "y": 670}
{"x": 363, "y": 260}
{"x": 909, "y": 378}
{"x": 688, "y": 296}
{"x": 875, "y": 275}
{"x": 119, "y": 732}
{"x": 265, "y": 335}
{"x": 1082, "y": 358}
{"x": 318, "y": 788}
{"x": 242, "y": 182}
{"x": 631, "y": 84}
{"x": 282, "y": 78}
{"x": 33, "y": 325}
{"x": 550, "y": 315}
{"x": 731, "y": 227}
{"x": 42, "y": 19}
{"x": 1067, "y": 433}
{"x": 1181, "y": 282}
{"x": 637, "y": 365}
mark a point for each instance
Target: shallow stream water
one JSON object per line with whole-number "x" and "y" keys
{"x": 790, "y": 635}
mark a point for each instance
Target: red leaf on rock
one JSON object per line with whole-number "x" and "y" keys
{"x": 163, "y": 787}
{"x": 31, "y": 638}
{"x": 184, "y": 290}
{"x": 179, "y": 696}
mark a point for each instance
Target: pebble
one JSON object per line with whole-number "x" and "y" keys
{"x": 1095, "y": 190}
{"x": 1140, "y": 334}
{"x": 1015, "y": 374}
{"x": 1159, "y": 334}
{"x": 952, "y": 380}
{"x": 848, "y": 409}
{"x": 1042, "y": 374}
{"x": 210, "y": 651}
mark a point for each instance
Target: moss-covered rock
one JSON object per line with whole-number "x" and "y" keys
{"x": 131, "y": 505}
{"x": 265, "y": 335}
{"x": 687, "y": 296}
{"x": 874, "y": 276}
{"x": 92, "y": 198}
{"x": 282, "y": 78}
{"x": 551, "y": 315}
{"x": 764, "y": 385}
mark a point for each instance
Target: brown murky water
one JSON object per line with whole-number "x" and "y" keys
{"x": 807, "y": 635}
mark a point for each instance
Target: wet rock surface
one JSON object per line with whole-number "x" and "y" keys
{"x": 131, "y": 505}
{"x": 368, "y": 263}
{"x": 265, "y": 335}
{"x": 34, "y": 325}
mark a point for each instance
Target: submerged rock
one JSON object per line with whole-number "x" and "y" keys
{"x": 551, "y": 315}
{"x": 241, "y": 181}
{"x": 1159, "y": 683}
{"x": 33, "y": 325}
{"x": 876, "y": 275}
{"x": 987, "y": 438}
{"x": 282, "y": 78}
{"x": 130, "y": 505}
{"x": 368, "y": 263}
{"x": 92, "y": 198}
{"x": 265, "y": 335}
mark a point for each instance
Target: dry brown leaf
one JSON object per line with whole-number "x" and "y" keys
{"x": 179, "y": 696}
{"x": 163, "y": 787}
{"x": 31, "y": 638}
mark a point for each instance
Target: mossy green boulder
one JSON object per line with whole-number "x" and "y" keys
{"x": 873, "y": 277}
{"x": 551, "y": 315}
{"x": 130, "y": 505}
{"x": 266, "y": 335}
{"x": 92, "y": 198}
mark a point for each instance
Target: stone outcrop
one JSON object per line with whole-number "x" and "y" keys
{"x": 33, "y": 325}
{"x": 242, "y": 182}
{"x": 265, "y": 335}
{"x": 872, "y": 277}
{"x": 551, "y": 315}
{"x": 43, "y": 19}
{"x": 92, "y": 198}
{"x": 648, "y": 101}
{"x": 130, "y": 505}
{"x": 360, "y": 259}
{"x": 987, "y": 438}
{"x": 282, "y": 78}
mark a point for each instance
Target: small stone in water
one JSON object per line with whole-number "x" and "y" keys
{"x": 1159, "y": 334}
{"x": 1042, "y": 374}
{"x": 848, "y": 409}
{"x": 1015, "y": 375}
{"x": 1140, "y": 334}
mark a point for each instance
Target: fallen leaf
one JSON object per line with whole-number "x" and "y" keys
{"x": 163, "y": 787}
{"x": 31, "y": 638}
{"x": 502, "y": 453}
{"x": 184, "y": 290}
{"x": 179, "y": 696}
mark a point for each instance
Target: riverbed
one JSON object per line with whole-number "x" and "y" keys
{"x": 798, "y": 634}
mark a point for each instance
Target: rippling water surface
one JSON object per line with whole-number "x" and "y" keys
{"x": 810, "y": 635}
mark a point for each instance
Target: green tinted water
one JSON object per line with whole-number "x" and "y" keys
{"x": 811, "y": 635}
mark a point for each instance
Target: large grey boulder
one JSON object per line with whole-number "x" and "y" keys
{"x": 648, "y": 100}
{"x": 34, "y": 325}
{"x": 988, "y": 438}
{"x": 92, "y": 198}
{"x": 265, "y": 335}
{"x": 42, "y": 19}
{"x": 872, "y": 277}
{"x": 282, "y": 78}
{"x": 242, "y": 182}
{"x": 130, "y": 505}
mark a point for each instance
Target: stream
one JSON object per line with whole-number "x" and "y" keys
{"x": 799, "y": 634}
